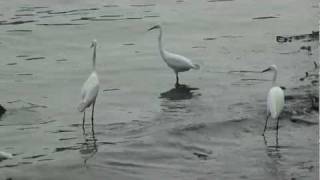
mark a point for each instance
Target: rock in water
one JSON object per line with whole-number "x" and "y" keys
{"x": 2, "y": 110}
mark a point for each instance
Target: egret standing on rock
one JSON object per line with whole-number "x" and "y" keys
{"x": 176, "y": 62}
{"x": 275, "y": 101}
{"x": 90, "y": 88}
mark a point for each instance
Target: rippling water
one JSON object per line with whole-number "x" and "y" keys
{"x": 145, "y": 128}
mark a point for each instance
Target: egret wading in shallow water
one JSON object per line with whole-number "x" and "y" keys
{"x": 275, "y": 100}
{"x": 176, "y": 62}
{"x": 90, "y": 88}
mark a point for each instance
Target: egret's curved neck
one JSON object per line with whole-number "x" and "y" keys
{"x": 94, "y": 58}
{"x": 160, "y": 43}
{"x": 274, "y": 77}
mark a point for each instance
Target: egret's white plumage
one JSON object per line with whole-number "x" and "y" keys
{"x": 176, "y": 62}
{"x": 90, "y": 88}
{"x": 275, "y": 100}
{"x": 89, "y": 91}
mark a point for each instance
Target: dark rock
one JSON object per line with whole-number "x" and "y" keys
{"x": 2, "y": 110}
{"x": 314, "y": 36}
{"x": 201, "y": 155}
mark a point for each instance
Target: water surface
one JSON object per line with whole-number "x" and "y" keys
{"x": 145, "y": 128}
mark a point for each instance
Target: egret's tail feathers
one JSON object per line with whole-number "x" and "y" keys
{"x": 196, "y": 66}
{"x": 81, "y": 107}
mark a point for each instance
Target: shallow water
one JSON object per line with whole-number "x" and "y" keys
{"x": 144, "y": 127}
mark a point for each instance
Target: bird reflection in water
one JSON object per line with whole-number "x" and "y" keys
{"x": 89, "y": 147}
{"x": 176, "y": 103}
{"x": 181, "y": 92}
{"x": 273, "y": 151}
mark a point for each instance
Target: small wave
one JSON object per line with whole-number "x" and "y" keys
{"x": 67, "y": 148}
{"x": 34, "y": 156}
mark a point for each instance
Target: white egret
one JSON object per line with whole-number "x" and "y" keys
{"x": 90, "y": 88}
{"x": 275, "y": 101}
{"x": 176, "y": 62}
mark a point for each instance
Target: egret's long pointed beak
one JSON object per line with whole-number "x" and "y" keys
{"x": 268, "y": 69}
{"x": 154, "y": 27}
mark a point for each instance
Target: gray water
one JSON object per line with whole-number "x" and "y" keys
{"x": 145, "y": 128}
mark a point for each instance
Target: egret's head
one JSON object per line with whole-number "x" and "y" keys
{"x": 94, "y": 43}
{"x": 154, "y": 27}
{"x": 273, "y": 67}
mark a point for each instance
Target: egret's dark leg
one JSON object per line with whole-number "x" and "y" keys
{"x": 265, "y": 126}
{"x": 177, "y": 79}
{"x": 93, "y": 135}
{"x": 277, "y": 128}
{"x": 83, "y": 119}
{"x": 94, "y": 102}
{"x": 265, "y": 140}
